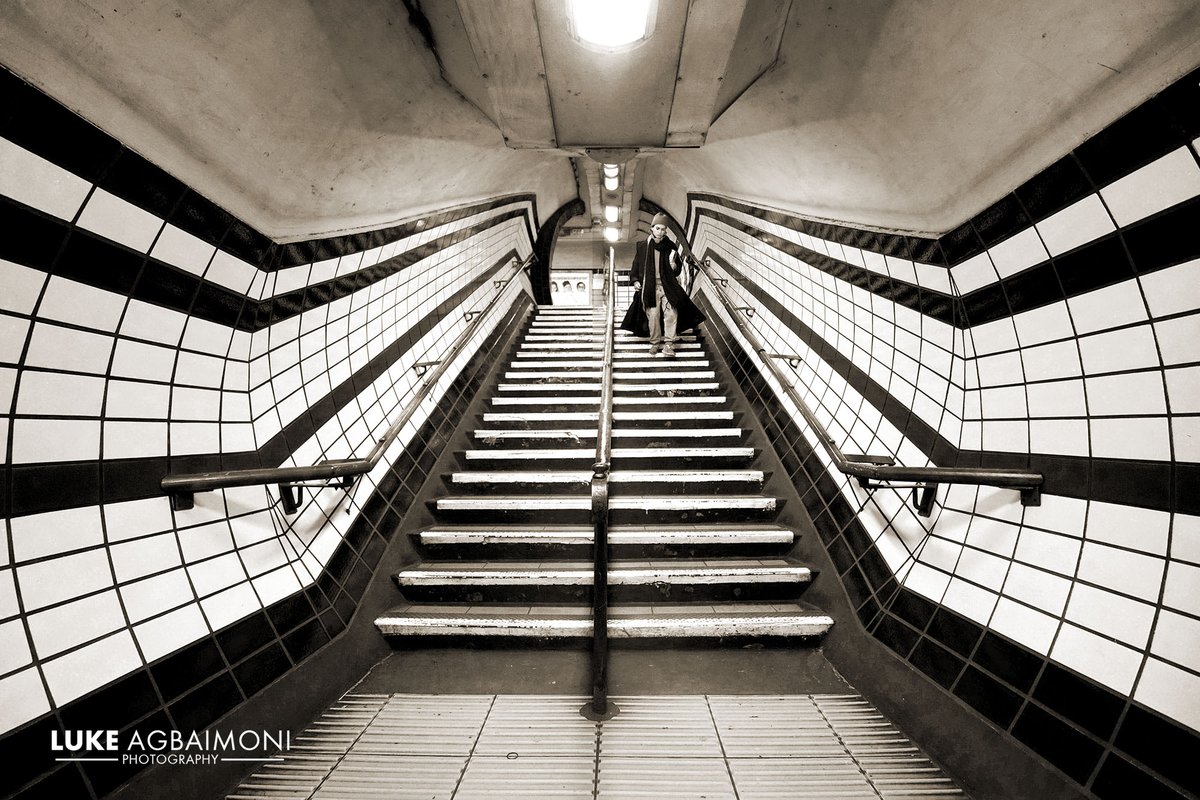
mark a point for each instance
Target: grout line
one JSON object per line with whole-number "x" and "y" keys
{"x": 842, "y": 742}
{"x": 721, "y": 744}
{"x": 474, "y": 744}
{"x": 338, "y": 762}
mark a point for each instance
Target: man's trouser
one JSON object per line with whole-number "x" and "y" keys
{"x": 663, "y": 317}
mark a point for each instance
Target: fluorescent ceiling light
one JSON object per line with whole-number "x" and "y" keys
{"x": 610, "y": 234}
{"x": 611, "y": 170}
{"x": 611, "y": 213}
{"x": 611, "y": 184}
{"x": 610, "y": 23}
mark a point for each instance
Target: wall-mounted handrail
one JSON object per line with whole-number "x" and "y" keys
{"x": 182, "y": 487}
{"x": 880, "y": 469}
{"x": 599, "y": 706}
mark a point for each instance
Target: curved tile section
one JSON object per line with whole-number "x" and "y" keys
{"x": 1057, "y": 331}
{"x": 146, "y": 332}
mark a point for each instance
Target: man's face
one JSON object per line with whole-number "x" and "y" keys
{"x": 658, "y": 231}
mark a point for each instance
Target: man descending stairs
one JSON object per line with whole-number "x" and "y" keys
{"x": 695, "y": 551}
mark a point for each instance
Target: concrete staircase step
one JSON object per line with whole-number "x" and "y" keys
{"x": 620, "y": 573}
{"x": 618, "y": 535}
{"x": 619, "y": 453}
{"x": 697, "y": 481}
{"x": 672, "y": 580}
{"x": 594, "y": 400}
{"x": 536, "y": 417}
{"x": 576, "y": 372}
{"x": 583, "y": 502}
{"x": 575, "y": 434}
{"x": 677, "y": 621}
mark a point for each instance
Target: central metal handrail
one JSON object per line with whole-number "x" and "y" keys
{"x": 599, "y": 707}
{"x": 880, "y": 469}
{"x": 182, "y": 487}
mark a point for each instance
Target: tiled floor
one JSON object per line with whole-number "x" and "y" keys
{"x": 521, "y": 746}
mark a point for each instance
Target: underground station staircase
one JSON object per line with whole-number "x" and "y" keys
{"x": 696, "y": 553}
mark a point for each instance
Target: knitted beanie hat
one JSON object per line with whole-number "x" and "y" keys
{"x": 659, "y": 219}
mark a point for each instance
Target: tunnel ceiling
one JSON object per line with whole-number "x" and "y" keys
{"x": 311, "y": 118}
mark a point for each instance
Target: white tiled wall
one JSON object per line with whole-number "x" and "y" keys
{"x": 1105, "y": 589}
{"x": 89, "y": 594}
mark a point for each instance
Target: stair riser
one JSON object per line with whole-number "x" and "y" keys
{"x": 576, "y": 595}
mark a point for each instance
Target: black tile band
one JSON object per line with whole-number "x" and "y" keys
{"x": 38, "y": 488}
{"x": 41, "y": 125}
{"x": 58, "y": 248}
{"x": 1076, "y": 724}
{"x": 1163, "y": 240}
{"x": 1147, "y": 484}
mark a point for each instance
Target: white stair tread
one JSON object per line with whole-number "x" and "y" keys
{"x": 590, "y": 416}
{"x": 644, "y": 345}
{"x": 561, "y": 363}
{"x": 575, "y": 386}
{"x": 623, "y": 621}
{"x": 678, "y": 363}
{"x": 623, "y": 356}
{"x": 617, "y": 534}
{"x": 618, "y": 375}
{"x": 617, "y": 452}
{"x": 526, "y": 375}
{"x": 583, "y": 502}
{"x": 549, "y": 387}
{"x": 663, "y": 386}
{"x": 580, "y": 573}
{"x": 595, "y": 400}
{"x": 618, "y": 433}
{"x": 616, "y": 476}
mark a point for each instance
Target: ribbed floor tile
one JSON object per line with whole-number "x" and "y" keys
{"x": 656, "y": 747}
{"x": 524, "y": 726}
{"x": 491, "y": 777}
{"x": 664, "y": 779}
{"x": 667, "y": 727}
{"x": 391, "y": 776}
{"x": 822, "y": 778}
{"x": 405, "y": 728}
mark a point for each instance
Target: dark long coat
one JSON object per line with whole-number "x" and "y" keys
{"x": 635, "y": 319}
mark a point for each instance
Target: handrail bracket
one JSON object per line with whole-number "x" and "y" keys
{"x": 292, "y": 494}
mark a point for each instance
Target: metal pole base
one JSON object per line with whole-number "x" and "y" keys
{"x": 587, "y": 712}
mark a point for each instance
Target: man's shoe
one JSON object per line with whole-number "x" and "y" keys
{"x": 654, "y": 349}
{"x": 669, "y": 352}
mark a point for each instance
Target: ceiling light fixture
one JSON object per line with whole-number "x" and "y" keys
{"x": 610, "y": 234}
{"x": 611, "y": 24}
{"x": 611, "y": 184}
{"x": 611, "y": 170}
{"x": 611, "y": 213}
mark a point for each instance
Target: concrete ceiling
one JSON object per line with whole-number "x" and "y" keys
{"x": 312, "y": 117}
